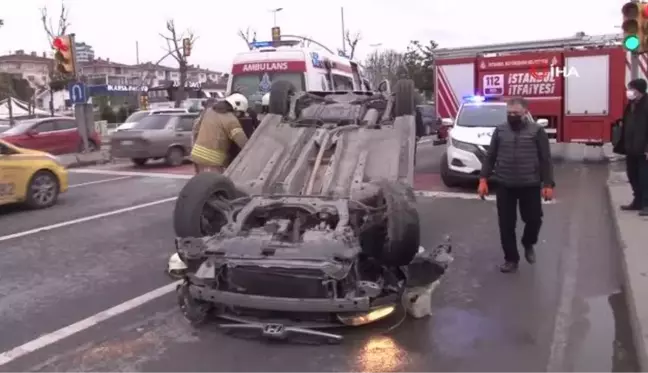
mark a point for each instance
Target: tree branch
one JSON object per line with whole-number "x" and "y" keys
{"x": 352, "y": 41}
{"x": 247, "y": 38}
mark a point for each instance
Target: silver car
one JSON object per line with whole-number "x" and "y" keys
{"x": 161, "y": 136}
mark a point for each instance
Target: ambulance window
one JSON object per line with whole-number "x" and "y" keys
{"x": 342, "y": 83}
{"x": 255, "y": 85}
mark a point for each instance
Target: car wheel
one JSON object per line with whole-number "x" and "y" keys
{"x": 174, "y": 156}
{"x": 404, "y": 98}
{"x": 139, "y": 161}
{"x": 280, "y": 97}
{"x": 42, "y": 190}
{"x": 201, "y": 208}
{"x": 395, "y": 240}
{"x": 194, "y": 310}
{"x": 449, "y": 180}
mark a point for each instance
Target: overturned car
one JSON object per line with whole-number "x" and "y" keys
{"x": 314, "y": 224}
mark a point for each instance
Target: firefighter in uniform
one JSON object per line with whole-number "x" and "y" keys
{"x": 216, "y": 132}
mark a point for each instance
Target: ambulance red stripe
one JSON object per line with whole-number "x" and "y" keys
{"x": 269, "y": 66}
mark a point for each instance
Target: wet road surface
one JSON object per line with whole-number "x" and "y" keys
{"x": 566, "y": 312}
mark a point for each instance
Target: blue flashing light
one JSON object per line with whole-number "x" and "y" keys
{"x": 474, "y": 99}
{"x": 261, "y": 44}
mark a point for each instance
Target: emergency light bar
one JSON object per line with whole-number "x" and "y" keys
{"x": 270, "y": 44}
{"x": 474, "y": 98}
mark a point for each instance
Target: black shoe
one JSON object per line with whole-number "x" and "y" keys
{"x": 644, "y": 212}
{"x": 529, "y": 254}
{"x": 508, "y": 267}
{"x": 631, "y": 207}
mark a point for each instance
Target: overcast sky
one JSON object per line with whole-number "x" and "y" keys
{"x": 112, "y": 27}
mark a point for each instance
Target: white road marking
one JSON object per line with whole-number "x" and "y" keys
{"x": 99, "y": 181}
{"x": 84, "y": 219}
{"x": 53, "y": 337}
{"x": 462, "y": 195}
{"x": 95, "y": 171}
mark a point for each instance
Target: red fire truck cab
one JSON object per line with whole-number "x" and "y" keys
{"x": 577, "y": 83}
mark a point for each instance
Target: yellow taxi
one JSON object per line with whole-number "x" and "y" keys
{"x": 30, "y": 176}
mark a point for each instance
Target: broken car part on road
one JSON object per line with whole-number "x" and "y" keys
{"x": 314, "y": 224}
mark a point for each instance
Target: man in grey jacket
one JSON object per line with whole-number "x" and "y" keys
{"x": 519, "y": 160}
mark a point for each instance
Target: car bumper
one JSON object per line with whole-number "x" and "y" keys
{"x": 463, "y": 163}
{"x": 266, "y": 303}
{"x": 135, "y": 152}
{"x": 63, "y": 178}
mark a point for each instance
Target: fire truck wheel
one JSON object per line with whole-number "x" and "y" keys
{"x": 404, "y": 97}
{"x": 280, "y": 97}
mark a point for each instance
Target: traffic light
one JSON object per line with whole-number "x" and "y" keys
{"x": 186, "y": 47}
{"x": 144, "y": 102}
{"x": 64, "y": 54}
{"x": 634, "y": 17}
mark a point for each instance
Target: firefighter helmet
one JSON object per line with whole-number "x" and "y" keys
{"x": 238, "y": 102}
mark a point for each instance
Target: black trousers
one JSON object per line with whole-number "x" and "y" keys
{"x": 637, "y": 171}
{"x": 530, "y": 202}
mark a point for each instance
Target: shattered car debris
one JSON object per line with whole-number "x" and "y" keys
{"x": 314, "y": 223}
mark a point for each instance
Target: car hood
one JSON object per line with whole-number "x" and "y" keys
{"x": 355, "y": 156}
{"x": 472, "y": 135}
{"x": 125, "y": 126}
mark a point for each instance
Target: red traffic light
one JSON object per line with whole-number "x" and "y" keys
{"x": 60, "y": 44}
{"x": 630, "y": 10}
{"x": 644, "y": 10}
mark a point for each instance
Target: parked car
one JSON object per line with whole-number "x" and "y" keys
{"x": 55, "y": 135}
{"x": 30, "y": 176}
{"x": 136, "y": 116}
{"x": 162, "y": 136}
{"x": 428, "y": 113}
{"x": 4, "y": 127}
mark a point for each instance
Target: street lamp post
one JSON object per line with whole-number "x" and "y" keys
{"x": 274, "y": 15}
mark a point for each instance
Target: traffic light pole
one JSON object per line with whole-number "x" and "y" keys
{"x": 634, "y": 66}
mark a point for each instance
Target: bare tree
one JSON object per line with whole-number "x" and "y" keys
{"x": 248, "y": 36}
{"x": 385, "y": 64}
{"x": 352, "y": 40}
{"x": 306, "y": 42}
{"x": 55, "y": 81}
{"x": 175, "y": 48}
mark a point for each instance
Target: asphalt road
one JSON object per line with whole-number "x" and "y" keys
{"x": 564, "y": 313}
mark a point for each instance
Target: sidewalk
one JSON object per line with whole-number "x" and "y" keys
{"x": 84, "y": 159}
{"x": 633, "y": 241}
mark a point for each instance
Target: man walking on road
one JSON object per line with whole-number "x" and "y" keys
{"x": 519, "y": 159}
{"x": 635, "y": 145}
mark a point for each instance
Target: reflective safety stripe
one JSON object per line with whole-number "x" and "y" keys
{"x": 235, "y": 132}
{"x": 212, "y": 156}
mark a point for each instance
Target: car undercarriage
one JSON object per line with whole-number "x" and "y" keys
{"x": 314, "y": 223}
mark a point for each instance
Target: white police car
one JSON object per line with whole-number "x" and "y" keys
{"x": 469, "y": 138}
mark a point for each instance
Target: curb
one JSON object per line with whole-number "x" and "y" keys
{"x": 88, "y": 159}
{"x": 630, "y": 285}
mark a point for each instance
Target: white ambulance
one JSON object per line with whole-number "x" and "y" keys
{"x": 254, "y": 71}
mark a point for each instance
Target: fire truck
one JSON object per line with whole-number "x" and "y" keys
{"x": 575, "y": 84}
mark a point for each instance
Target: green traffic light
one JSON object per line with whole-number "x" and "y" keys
{"x": 631, "y": 43}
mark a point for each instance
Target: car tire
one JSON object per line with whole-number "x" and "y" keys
{"x": 43, "y": 190}
{"x": 404, "y": 97}
{"x": 190, "y": 218}
{"x": 174, "y": 156}
{"x": 280, "y": 94}
{"x": 395, "y": 241}
{"x": 139, "y": 161}
{"x": 195, "y": 311}
{"x": 447, "y": 178}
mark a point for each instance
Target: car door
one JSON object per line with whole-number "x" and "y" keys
{"x": 11, "y": 176}
{"x": 67, "y": 136}
{"x": 184, "y": 129}
{"x": 40, "y": 136}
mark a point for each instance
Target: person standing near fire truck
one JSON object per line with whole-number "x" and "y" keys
{"x": 635, "y": 144}
{"x": 519, "y": 159}
{"x": 218, "y": 128}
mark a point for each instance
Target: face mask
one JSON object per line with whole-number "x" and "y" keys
{"x": 514, "y": 119}
{"x": 631, "y": 94}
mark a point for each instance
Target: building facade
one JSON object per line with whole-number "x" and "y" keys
{"x": 97, "y": 71}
